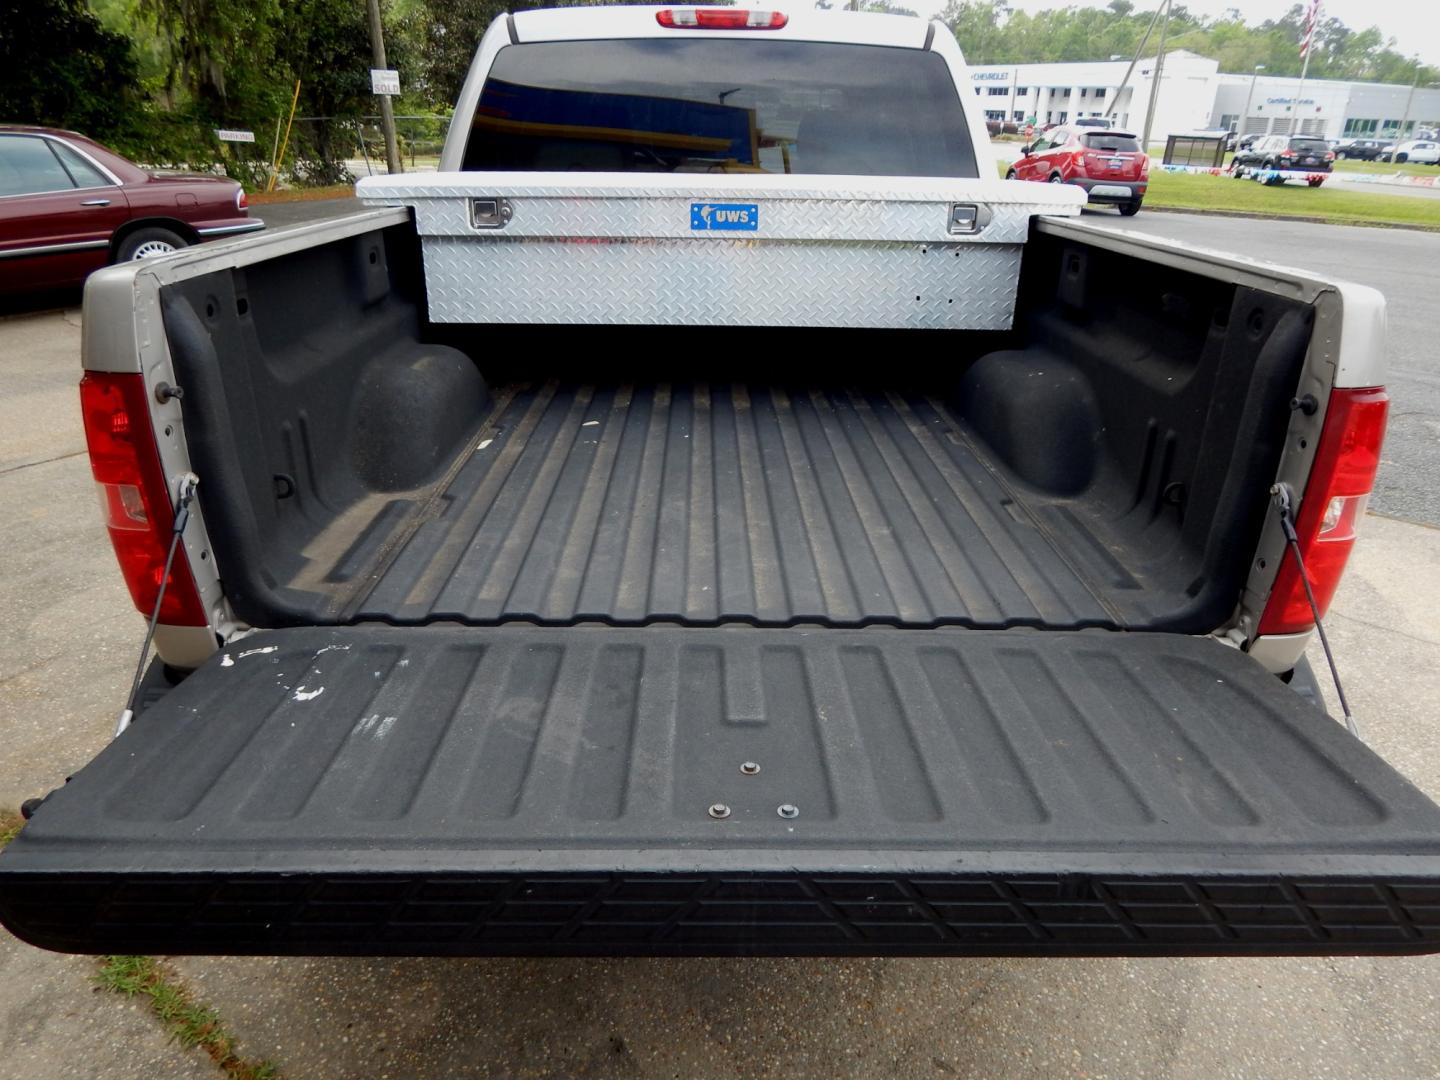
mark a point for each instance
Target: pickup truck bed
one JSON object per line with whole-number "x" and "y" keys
{"x": 1103, "y": 464}
{"x": 502, "y": 790}
{"x": 530, "y": 595}
{"x": 735, "y": 502}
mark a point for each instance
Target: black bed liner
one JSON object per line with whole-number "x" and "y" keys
{"x": 532, "y": 790}
{"x": 739, "y": 503}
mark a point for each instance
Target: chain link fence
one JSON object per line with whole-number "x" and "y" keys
{"x": 340, "y": 149}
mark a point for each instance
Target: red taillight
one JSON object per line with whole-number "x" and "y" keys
{"x": 1329, "y": 155}
{"x": 720, "y": 19}
{"x": 1335, "y": 497}
{"x": 134, "y": 498}
{"x": 242, "y": 201}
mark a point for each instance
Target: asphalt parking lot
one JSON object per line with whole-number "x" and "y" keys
{"x": 69, "y": 645}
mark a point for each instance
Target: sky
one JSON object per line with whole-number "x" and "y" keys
{"x": 1415, "y": 24}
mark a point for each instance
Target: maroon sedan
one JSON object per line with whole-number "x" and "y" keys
{"x": 69, "y": 206}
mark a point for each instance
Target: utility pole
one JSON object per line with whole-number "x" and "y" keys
{"x": 1115, "y": 98}
{"x": 1409, "y": 101}
{"x": 1155, "y": 83}
{"x": 387, "y": 111}
{"x": 1249, "y": 98}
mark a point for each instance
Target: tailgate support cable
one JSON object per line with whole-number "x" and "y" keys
{"x": 1282, "y": 498}
{"x": 188, "y": 483}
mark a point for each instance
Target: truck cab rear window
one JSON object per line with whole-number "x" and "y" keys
{"x": 720, "y": 105}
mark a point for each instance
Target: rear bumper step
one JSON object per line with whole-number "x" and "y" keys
{"x": 517, "y": 790}
{"x": 689, "y": 912}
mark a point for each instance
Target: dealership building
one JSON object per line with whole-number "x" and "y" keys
{"x": 1196, "y": 96}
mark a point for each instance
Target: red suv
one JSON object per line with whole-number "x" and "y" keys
{"x": 69, "y": 206}
{"x": 1109, "y": 165}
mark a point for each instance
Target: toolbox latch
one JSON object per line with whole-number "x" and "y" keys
{"x": 489, "y": 213}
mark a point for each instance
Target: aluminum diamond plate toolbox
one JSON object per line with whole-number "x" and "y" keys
{"x": 726, "y": 250}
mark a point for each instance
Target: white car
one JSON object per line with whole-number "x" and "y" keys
{"x": 1420, "y": 151}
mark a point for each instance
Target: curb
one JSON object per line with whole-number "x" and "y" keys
{"x": 1307, "y": 219}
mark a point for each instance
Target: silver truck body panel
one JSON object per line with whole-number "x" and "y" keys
{"x": 626, "y": 249}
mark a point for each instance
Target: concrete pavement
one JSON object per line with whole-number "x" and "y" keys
{"x": 69, "y": 643}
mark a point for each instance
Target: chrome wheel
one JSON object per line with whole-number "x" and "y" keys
{"x": 152, "y": 248}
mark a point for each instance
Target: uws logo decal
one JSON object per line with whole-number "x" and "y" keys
{"x": 724, "y": 217}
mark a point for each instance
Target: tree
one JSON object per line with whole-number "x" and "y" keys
{"x": 979, "y": 26}
{"x": 326, "y": 45}
{"x": 219, "y": 49}
{"x": 990, "y": 33}
{"x": 885, "y": 7}
{"x": 61, "y": 68}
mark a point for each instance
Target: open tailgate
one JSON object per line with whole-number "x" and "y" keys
{"x": 550, "y": 791}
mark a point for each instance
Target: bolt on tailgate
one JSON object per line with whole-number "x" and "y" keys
{"x": 667, "y": 791}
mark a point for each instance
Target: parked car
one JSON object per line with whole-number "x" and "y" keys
{"x": 1245, "y": 142}
{"x": 1109, "y": 165}
{"x": 69, "y": 206}
{"x": 1420, "y": 151}
{"x": 1277, "y": 158}
{"x": 1360, "y": 149}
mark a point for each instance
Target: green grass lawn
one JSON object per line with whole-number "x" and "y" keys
{"x": 1200, "y": 192}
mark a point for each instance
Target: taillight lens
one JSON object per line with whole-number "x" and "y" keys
{"x": 1335, "y": 498}
{"x": 1329, "y": 155}
{"x": 720, "y": 19}
{"x": 242, "y": 201}
{"x": 134, "y": 498}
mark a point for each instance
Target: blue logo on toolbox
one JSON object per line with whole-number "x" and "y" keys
{"x": 721, "y": 217}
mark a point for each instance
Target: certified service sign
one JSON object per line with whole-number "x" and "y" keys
{"x": 724, "y": 217}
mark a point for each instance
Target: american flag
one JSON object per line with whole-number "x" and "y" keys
{"x": 1312, "y": 18}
